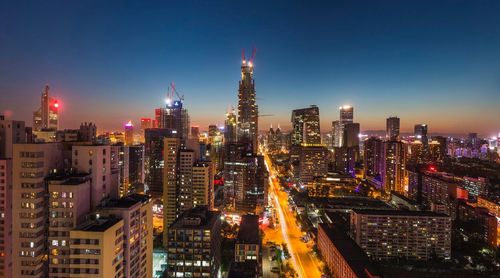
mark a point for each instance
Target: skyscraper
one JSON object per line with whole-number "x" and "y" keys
{"x": 11, "y": 132}
{"x": 373, "y": 156}
{"x": 174, "y": 117}
{"x": 195, "y": 132}
{"x": 47, "y": 116}
{"x": 248, "y": 111}
{"x": 306, "y": 126}
{"x": 392, "y": 128}
{"x": 421, "y": 134}
{"x": 230, "y": 128}
{"x": 346, "y": 117}
{"x": 394, "y": 166}
{"x": 153, "y": 159}
{"x": 30, "y": 225}
{"x": 346, "y": 114}
{"x": 129, "y": 133}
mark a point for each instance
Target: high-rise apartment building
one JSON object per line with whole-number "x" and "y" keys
{"x": 203, "y": 184}
{"x": 342, "y": 255}
{"x": 248, "y": 110}
{"x": 32, "y": 163}
{"x": 68, "y": 203}
{"x": 392, "y": 128}
{"x": 47, "y": 116}
{"x": 136, "y": 164}
{"x": 306, "y": 126}
{"x": 393, "y": 166}
{"x": 6, "y": 217}
{"x": 373, "y": 155}
{"x": 96, "y": 249}
{"x": 414, "y": 235}
{"x": 136, "y": 211}
{"x": 313, "y": 162}
{"x": 11, "y": 132}
{"x": 87, "y": 132}
{"x": 187, "y": 181}
{"x": 95, "y": 160}
{"x": 194, "y": 244}
{"x": 248, "y": 243}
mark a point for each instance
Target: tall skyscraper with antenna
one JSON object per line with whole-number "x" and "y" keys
{"x": 248, "y": 111}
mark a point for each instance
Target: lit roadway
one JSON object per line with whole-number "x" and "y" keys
{"x": 302, "y": 258}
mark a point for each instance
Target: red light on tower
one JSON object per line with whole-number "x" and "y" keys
{"x": 56, "y": 105}
{"x": 432, "y": 169}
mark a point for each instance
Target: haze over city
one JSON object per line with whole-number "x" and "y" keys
{"x": 112, "y": 62}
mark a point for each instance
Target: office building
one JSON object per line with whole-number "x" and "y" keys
{"x": 392, "y": 129}
{"x": 343, "y": 257}
{"x": 413, "y": 235}
{"x": 174, "y": 117}
{"x": 136, "y": 211}
{"x": 230, "y": 128}
{"x": 129, "y": 133}
{"x": 96, "y": 249}
{"x": 421, "y": 134}
{"x": 443, "y": 145}
{"x": 346, "y": 117}
{"x": 194, "y": 244}
{"x": 153, "y": 159}
{"x": 248, "y": 244}
{"x": 195, "y": 132}
{"x": 145, "y": 124}
{"x": 251, "y": 194}
{"x": 332, "y": 185}
{"x": 47, "y": 116}
{"x": 306, "y": 126}
{"x": 248, "y": 110}
{"x": 233, "y": 169}
{"x": 32, "y": 163}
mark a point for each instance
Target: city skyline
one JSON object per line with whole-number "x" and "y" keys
{"x": 113, "y": 69}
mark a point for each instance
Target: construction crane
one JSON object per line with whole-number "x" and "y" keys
{"x": 172, "y": 90}
{"x": 266, "y": 115}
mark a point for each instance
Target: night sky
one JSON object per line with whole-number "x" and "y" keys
{"x": 435, "y": 62}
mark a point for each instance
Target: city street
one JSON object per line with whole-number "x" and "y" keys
{"x": 287, "y": 231}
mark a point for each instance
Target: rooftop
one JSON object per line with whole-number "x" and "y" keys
{"x": 68, "y": 178}
{"x": 196, "y": 218}
{"x": 98, "y": 225}
{"x": 398, "y": 212}
{"x": 355, "y": 257}
{"x": 249, "y": 230}
{"x": 247, "y": 269}
{"x": 128, "y": 201}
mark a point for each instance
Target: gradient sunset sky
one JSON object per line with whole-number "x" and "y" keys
{"x": 434, "y": 62}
